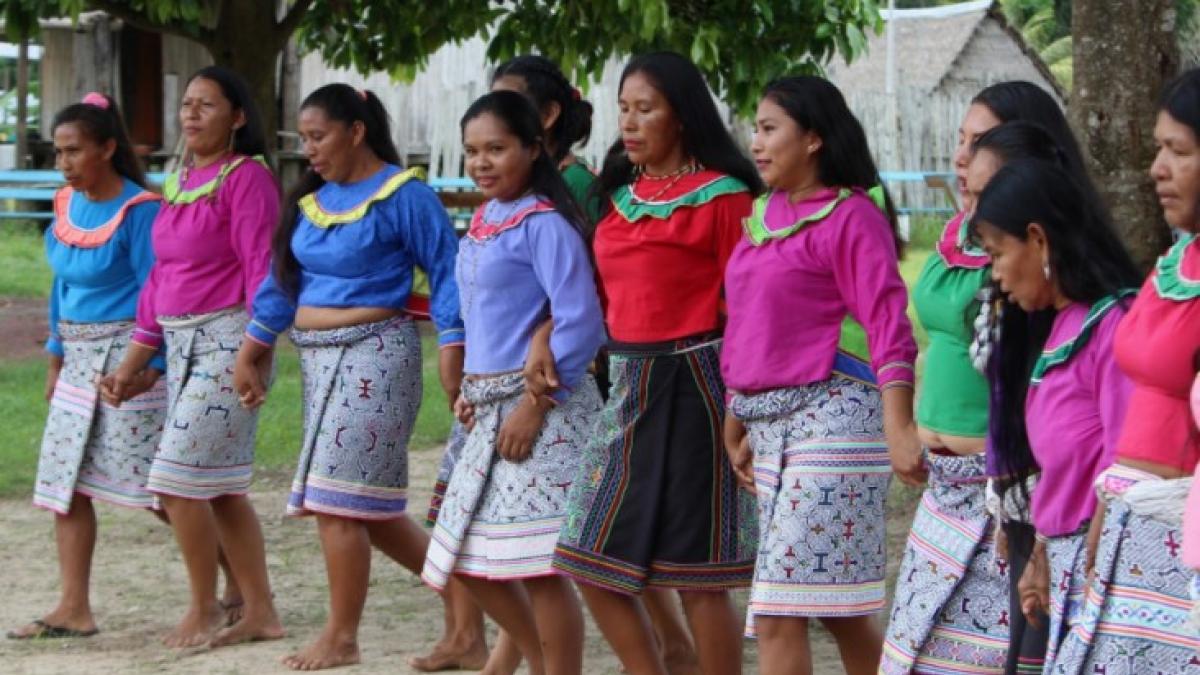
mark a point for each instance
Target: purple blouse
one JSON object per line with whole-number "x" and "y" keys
{"x": 1073, "y": 418}
{"x": 788, "y": 296}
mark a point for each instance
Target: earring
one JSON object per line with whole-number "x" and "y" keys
{"x": 812, "y": 149}
{"x": 1046, "y": 270}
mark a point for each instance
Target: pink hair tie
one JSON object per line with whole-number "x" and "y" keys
{"x": 575, "y": 93}
{"x": 362, "y": 93}
{"x": 96, "y": 99}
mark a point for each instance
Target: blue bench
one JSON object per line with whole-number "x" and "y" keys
{"x": 40, "y": 185}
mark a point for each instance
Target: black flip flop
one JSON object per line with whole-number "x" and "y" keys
{"x": 50, "y": 632}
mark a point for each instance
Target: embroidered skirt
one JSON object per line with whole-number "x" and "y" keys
{"x": 1068, "y": 576}
{"x": 500, "y": 519}
{"x": 1135, "y": 614}
{"x": 207, "y": 446}
{"x": 821, "y": 469}
{"x": 950, "y": 610}
{"x": 362, "y": 389}
{"x": 453, "y": 450}
{"x": 88, "y": 446}
{"x": 656, "y": 502}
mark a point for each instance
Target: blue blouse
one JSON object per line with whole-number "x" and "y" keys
{"x": 523, "y": 271}
{"x": 357, "y": 245}
{"x": 101, "y": 283}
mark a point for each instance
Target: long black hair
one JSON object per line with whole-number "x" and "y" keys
{"x": 249, "y": 139}
{"x": 1181, "y": 99}
{"x": 844, "y": 159}
{"x": 522, "y": 120}
{"x": 545, "y": 84}
{"x": 705, "y": 138}
{"x": 346, "y": 105}
{"x": 1087, "y": 261}
{"x": 1020, "y": 100}
{"x": 101, "y": 125}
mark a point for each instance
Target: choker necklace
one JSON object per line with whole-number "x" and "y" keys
{"x": 675, "y": 176}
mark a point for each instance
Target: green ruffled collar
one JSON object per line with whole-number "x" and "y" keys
{"x": 632, "y": 208}
{"x": 1052, "y": 358}
{"x": 1170, "y": 282}
{"x": 174, "y": 194}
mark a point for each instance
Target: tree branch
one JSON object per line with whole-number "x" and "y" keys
{"x": 139, "y": 20}
{"x": 289, "y": 23}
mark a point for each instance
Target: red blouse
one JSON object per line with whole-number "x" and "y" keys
{"x": 661, "y": 254}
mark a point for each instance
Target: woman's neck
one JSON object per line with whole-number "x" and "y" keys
{"x": 201, "y": 160}
{"x": 673, "y": 162}
{"x": 804, "y": 190}
{"x": 109, "y": 186}
{"x": 367, "y": 165}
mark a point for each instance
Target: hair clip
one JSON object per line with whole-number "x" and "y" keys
{"x": 95, "y": 99}
{"x": 575, "y": 93}
{"x": 362, "y": 93}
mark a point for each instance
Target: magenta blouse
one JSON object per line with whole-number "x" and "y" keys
{"x": 789, "y": 295}
{"x": 211, "y": 253}
{"x": 1074, "y": 417}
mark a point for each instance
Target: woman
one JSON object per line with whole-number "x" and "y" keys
{"x": 344, "y": 252}
{"x": 1135, "y": 616}
{"x": 99, "y": 251}
{"x": 953, "y": 588}
{"x": 807, "y": 422}
{"x": 954, "y": 604}
{"x": 1057, "y": 398}
{"x": 524, "y": 258}
{"x": 212, "y": 248}
{"x": 655, "y": 502}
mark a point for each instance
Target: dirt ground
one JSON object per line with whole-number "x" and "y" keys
{"x": 22, "y": 327}
{"x": 139, "y": 591}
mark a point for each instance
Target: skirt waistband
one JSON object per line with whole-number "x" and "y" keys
{"x": 666, "y": 347}
{"x": 344, "y": 335}
{"x": 98, "y": 330}
{"x": 193, "y": 320}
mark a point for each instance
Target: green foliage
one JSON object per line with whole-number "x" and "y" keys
{"x": 23, "y": 269}
{"x": 740, "y": 45}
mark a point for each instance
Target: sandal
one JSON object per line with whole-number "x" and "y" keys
{"x": 47, "y": 631}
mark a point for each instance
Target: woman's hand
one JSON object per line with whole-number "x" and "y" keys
{"x": 116, "y": 387}
{"x": 1001, "y": 542}
{"x": 450, "y": 372}
{"x": 541, "y": 374}
{"x": 737, "y": 447}
{"x": 142, "y": 383}
{"x": 53, "y": 368}
{"x": 520, "y": 430}
{"x": 464, "y": 412}
{"x": 1095, "y": 529}
{"x": 1033, "y": 589}
{"x": 904, "y": 449}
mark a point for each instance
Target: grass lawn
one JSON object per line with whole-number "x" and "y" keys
{"x": 23, "y": 272}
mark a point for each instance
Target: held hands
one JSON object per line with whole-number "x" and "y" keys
{"x": 1033, "y": 589}
{"x": 541, "y": 375}
{"x": 251, "y": 373}
{"x": 125, "y": 383}
{"x": 520, "y": 429}
{"x": 464, "y": 412}
{"x": 737, "y": 447}
{"x": 904, "y": 449}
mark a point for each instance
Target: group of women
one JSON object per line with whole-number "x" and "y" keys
{"x": 658, "y": 375}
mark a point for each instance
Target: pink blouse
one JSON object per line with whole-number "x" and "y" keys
{"x": 212, "y": 253}
{"x": 788, "y": 296}
{"x": 1074, "y": 418}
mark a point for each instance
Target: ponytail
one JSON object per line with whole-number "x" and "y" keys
{"x": 544, "y": 83}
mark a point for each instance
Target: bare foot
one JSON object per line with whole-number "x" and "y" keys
{"x": 327, "y": 651}
{"x": 234, "y": 610}
{"x": 195, "y": 628}
{"x": 251, "y": 628}
{"x": 446, "y": 656}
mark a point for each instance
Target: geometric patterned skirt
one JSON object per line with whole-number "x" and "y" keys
{"x": 450, "y": 455}
{"x": 655, "y": 502}
{"x": 207, "y": 446}
{"x": 950, "y": 611}
{"x": 89, "y": 446}
{"x": 500, "y": 519}
{"x": 821, "y": 470}
{"x": 1135, "y": 614}
{"x": 362, "y": 389}
{"x": 1067, "y": 556}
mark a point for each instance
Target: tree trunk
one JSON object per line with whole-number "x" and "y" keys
{"x": 1124, "y": 51}
{"x": 249, "y": 41}
{"x": 22, "y": 130}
